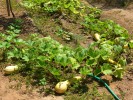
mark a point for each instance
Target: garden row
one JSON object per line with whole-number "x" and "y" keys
{"x": 47, "y": 61}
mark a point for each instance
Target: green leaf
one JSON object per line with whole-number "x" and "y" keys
{"x": 19, "y": 40}
{"x": 97, "y": 71}
{"x": 74, "y": 10}
{"x": 118, "y": 30}
{"x": 10, "y": 55}
{"x": 119, "y": 72}
{"x": 81, "y": 54}
{"x": 104, "y": 54}
{"x": 17, "y": 31}
{"x": 85, "y": 70}
{"x": 43, "y": 58}
{"x": 72, "y": 60}
{"x": 54, "y": 71}
{"x": 9, "y": 38}
{"x": 122, "y": 62}
{"x": 131, "y": 44}
{"x": 106, "y": 69}
{"x": 62, "y": 59}
{"x": 93, "y": 53}
{"x": 26, "y": 58}
{"x": 91, "y": 62}
{"x": 118, "y": 49}
{"x": 43, "y": 81}
{"x": 106, "y": 46}
{"x": 5, "y": 45}
{"x": 75, "y": 66}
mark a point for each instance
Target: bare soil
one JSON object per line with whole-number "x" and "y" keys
{"x": 124, "y": 16}
{"x": 12, "y": 90}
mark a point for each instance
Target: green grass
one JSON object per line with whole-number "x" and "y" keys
{"x": 92, "y": 94}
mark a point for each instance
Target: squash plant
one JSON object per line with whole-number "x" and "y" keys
{"x": 48, "y": 61}
{"x": 55, "y": 6}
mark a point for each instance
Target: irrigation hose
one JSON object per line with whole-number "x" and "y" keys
{"x": 106, "y": 85}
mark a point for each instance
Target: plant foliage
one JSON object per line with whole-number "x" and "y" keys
{"x": 46, "y": 60}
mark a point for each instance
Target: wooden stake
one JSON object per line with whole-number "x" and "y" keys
{"x": 9, "y": 8}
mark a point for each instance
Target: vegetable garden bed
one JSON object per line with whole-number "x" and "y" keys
{"x": 45, "y": 61}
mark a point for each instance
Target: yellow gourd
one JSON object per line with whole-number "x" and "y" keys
{"x": 61, "y": 87}
{"x": 10, "y": 69}
{"x": 112, "y": 61}
{"x": 78, "y": 77}
{"x": 97, "y": 36}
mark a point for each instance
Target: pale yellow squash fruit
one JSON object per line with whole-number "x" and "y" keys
{"x": 10, "y": 69}
{"x": 61, "y": 87}
{"x": 97, "y": 36}
{"x": 78, "y": 77}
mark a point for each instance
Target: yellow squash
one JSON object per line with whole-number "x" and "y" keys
{"x": 10, "y": 69}
{"x": 61, "y": 87}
